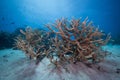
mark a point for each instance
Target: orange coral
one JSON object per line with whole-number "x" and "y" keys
{"x": 74, "y": 41}
{"x": 81, "y": 40}
{"x": 30, "y": 41}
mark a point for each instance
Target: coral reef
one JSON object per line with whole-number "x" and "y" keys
{"x": 72, "y": 42}
{"x": 78, "y": 41}
{"x": 33, "y": 42}
{"x": 7, "y": 38}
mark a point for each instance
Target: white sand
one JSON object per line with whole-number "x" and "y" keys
{"x": 15, "y": 66}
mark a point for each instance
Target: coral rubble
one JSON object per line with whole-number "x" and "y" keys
{"x": 73, "y": 41}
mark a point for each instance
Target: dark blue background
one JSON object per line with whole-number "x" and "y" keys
{"x": 37, "y": 13}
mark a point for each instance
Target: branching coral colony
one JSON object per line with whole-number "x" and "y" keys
{"x": 73, "y": 42}
{"x": 32, "y": 42}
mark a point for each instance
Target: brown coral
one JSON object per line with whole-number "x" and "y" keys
{"x": 77, "y": 41}
{"x": 74, "y": 41}
{"x": 31, "y": 42}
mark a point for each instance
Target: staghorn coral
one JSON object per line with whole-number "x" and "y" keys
{"x": 71, "y": 42}
{"x": 77, "y": 41}
{"x": 32, "y": 42}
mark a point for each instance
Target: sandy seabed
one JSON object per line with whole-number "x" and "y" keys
{"x": 15, "y": 66}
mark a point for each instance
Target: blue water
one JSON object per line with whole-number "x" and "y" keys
{"x": 37, "y": 13}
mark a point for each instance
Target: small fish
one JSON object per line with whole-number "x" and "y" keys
{"x": 12, "y": 22}
{"x": 25, "y": 25}
{"x": 3, "y": 18}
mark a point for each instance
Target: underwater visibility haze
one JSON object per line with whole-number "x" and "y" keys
{"x": 59, "y": 40}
